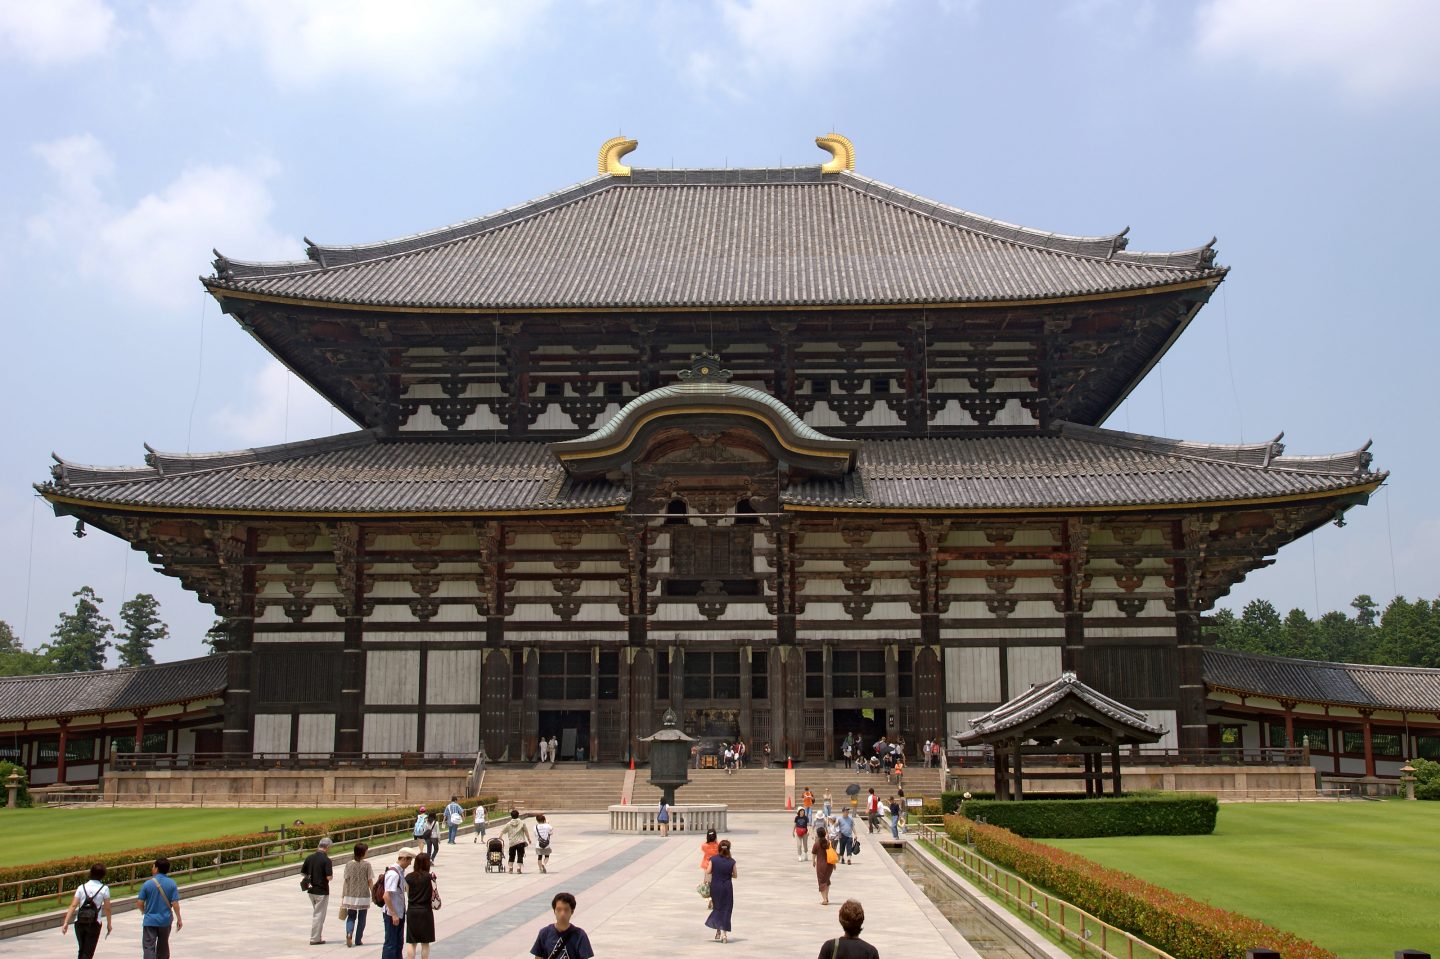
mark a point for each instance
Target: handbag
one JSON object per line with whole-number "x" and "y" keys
{"x": 434, "y": 894}
{"x": 831, "y": 856}
{"x": 343, "y": 914}
{"x": 456, "y": 819}
{"x": 704, "y": 890}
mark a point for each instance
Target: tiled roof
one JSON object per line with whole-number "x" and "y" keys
{"x": 1038, "y": 700}
{"x": 361, "y": 473}
{"x": 349, "y": 473}
{"x": 702, "y": 238}
{"x": 73, "y": 694}
{"x": 1384, "y": 687}
{"x": 1080, "y": 466}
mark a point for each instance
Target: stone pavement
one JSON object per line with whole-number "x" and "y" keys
{"x": 636, "y": 899}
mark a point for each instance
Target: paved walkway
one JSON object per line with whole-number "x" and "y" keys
{"x": 636, "y": 899}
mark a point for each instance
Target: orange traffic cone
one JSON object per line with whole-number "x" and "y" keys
{"x": 632, "y": 762}
{"x": 789, "y": 803}
{"x": 788, "y": 763}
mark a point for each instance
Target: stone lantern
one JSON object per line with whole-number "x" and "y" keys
{"x": 669, "y": 756}
{"x": 12, "y": 785}
{"x": 1407, "y": 776}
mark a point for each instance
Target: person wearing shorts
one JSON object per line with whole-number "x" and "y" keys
{"x": 544, "y": 837}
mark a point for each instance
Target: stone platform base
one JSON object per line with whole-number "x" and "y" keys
{"x": 285, "y": 785}
{"x": 689, "y": 818}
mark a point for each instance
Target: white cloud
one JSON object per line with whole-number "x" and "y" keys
{"x": 419, "y": 49}
{"x": 798, "y": 39}
{"x": 1370, "y": 49}
{"x": 53, "y": 32}
{"x": 276, "y": 407}
{"x": 153, "y": 249}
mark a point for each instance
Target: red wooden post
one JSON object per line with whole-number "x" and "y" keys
{"x": 60, "y": 757}
{"x": 1369, "y": 750}
{"x": 1289, "y": 725}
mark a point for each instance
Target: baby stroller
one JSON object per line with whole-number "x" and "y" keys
{"x": 494, "y": 856}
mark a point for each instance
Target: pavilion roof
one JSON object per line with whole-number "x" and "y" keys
{"x": 667, "y": 239}
{"x": 1411, "y": 688}
{"x": 361, "y": 472}
{"x": 137, "y": 687}
{"x": 1036, "y": 706}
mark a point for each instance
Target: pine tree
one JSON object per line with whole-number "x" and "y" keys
{"x": 15, "y": 659}
{"x": 81, "y": 636}
{"x": 143, "y": 629}
{"x": 217, "y": 637}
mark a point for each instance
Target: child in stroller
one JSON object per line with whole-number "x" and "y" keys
{"x": 495, "y": 855}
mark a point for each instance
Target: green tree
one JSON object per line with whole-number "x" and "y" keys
{"x": 143, "y": 629}
{"x": 217, "y": 637}
{"x": 81, "y": 637}
{"x": 15, "y": 659}
{"x": 1297, "y": 636}
{"x": 1366, "y": 609}
{"x": 1261, "y": 629}
{"x": 1223, "y": 625}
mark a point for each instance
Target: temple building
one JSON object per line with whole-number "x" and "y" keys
{"x": 790, "y": 451}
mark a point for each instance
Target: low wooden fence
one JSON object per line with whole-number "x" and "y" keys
{"x": 26, "y": 895}
{"x": 1068, "y": 923}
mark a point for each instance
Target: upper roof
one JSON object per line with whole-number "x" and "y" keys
{"x": 1352, "y": 684}
{"x": 1032, "y": 705}
{"x": 1076, "y": 467}
{"x": 717, "y": 238}
{"x": 137, "y": 687}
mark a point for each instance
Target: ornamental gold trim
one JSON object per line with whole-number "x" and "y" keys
{"x": 610, "y": 153}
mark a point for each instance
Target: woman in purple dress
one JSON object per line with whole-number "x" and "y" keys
{"x": 721, "y": 871}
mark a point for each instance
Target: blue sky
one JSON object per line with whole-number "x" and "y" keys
{"x": 1302, "y": 133}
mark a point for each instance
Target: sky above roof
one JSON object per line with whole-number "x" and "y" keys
{"x": 1302, "y": 133}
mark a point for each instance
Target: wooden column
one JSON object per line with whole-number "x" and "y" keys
{"x": 1365, "y": 714}
{"x": 495, "y": 687}
{"x": 1114, "y": 768}
{"x": 65, "y": 741}
{"x": 930, "y": 692}
{"x": 140, "y": 730}
{"x": 828, "y": 727}
{"x": 347, "y": 543}
{"x": 1289, "y": 724}
{"x": 239, "y": 714}
{"x": 893, "y": 732}
{"x": 746, "y": 727}
{"x": 530, "y": 708}
{"x": 1017, "y": 789}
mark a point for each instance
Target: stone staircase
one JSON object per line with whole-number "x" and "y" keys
{"x": 572, "y": 787}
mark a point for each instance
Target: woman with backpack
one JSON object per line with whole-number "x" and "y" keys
{"x": 544, "y": 832}
{"x": 92, "y": 897}
{"x": 355, "y": 895}
{"x": 432, "y": 836}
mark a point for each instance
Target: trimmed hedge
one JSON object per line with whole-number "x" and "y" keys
{"x": 1148, "y": 815}
{"x": 1184, "y": 927}
{"x": 128, "y": 866}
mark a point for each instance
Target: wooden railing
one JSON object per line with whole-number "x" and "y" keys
{"x": 183, "y": 797}
{"x": 125, "y": 762}
{"x": 1068, "y": 923}
{"x": 24, "y": 894}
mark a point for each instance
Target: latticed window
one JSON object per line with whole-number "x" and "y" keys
{"x": 712, "y": 675}
{"x": 857, "y": 673}
{"x": 565, "y": 675}
{"x": 609, "y": 675}
{"x": 711, "y": 552}
{"x": 1381, "y": 744}
{"x": 1318, "y": 736}
{"x": 662, "y": 674}
{"x": 760, "y": 676}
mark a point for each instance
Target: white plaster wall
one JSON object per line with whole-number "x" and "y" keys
{"x": 452, "y": 732}
{"x": 453, "y": 677}
{"x": 317, "y": 733}
{"x": 272, "y": 732}
{"x": 390, "y": 732}
{"x": 392, "y": 677}
{"x": 972, "y": 674}
{"x": 1032, "y": 664}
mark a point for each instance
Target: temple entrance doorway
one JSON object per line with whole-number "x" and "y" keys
{"x": 571, "y": 729}
{"x": 865, "y": 726}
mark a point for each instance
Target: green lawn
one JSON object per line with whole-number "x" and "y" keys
{"x": 40, "y": 834}
{"x": 1361, "y": 879}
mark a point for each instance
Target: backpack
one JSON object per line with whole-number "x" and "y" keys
{"x": 89, "y": 912}
{"x": 421, "y": 827}
{"x": 377, "y": 891}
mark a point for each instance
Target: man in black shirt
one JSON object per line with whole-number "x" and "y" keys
{"x": 315, "y": 873}
{"x": 850, "y": 945}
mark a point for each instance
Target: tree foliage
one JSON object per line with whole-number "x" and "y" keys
{"x": 143, "y": 628}
{"x": 217, "y": 637}
{"x": 1404, "y": 633}
{"x": 81, "y": 637}
{"x": 15, "y": 659}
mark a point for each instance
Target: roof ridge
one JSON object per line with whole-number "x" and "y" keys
{"x": 113, "y": 670}
{"x": 1267, "y": 456}
{"x": 159, "y": 464}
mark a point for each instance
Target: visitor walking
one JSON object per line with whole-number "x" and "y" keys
{"x": 894, "y": 818}
{"x": 872, "y": 810}
{"x": 160, "y": 900}
{"x": 479, "y": 822}
{"x": 544, "y": 833}
{"x": 826, "y": 802}
{"x": 807, "y": 799}
{"x": 722, "y": 872}
{"x": 544, "y": 750}
{"x": 825, "y": 859}
{"x": 316, "y": 872}
{"x": 708, "y": 848}
{"x": 846, "y": 828}
{"x": 421, "y": 894}
{"x": 92, "y": 897}
{"x": 560, "y": 938}
{"x": 432, "y": 836}
{"x": 850, "y": 945}
{"x": 802, "y": 833}
{"x": 662, "y": 819}
{"x": 516, "y": 839}
{"x": 355, "y": 895}
{"x": 454, "y": 816}
{"x": 396, "y": 895}
{"x": 554, "y": 749}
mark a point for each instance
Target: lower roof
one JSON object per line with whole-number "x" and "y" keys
{"x": 361, "y": 473}
{"x": 1405, "y": 688}
{"x": 110, "y": 690}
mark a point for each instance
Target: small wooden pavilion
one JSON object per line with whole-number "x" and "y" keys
{"x": 1061, "y": 718}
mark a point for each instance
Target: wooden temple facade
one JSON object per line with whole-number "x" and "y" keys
{"x": 790, "y": 451}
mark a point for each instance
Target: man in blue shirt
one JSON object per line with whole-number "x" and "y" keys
{"x": 160, "y": 899}
{"x": 560, "y": 939}
{"x": 454, "y": 816}
{"x": 847, "y": 837}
